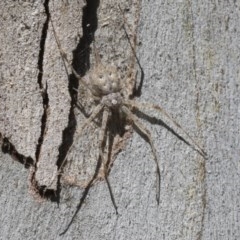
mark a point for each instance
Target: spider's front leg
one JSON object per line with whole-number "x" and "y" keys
{"x": 64, "y": 56}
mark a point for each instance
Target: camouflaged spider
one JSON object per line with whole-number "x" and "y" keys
{"x": 107, "y": 89}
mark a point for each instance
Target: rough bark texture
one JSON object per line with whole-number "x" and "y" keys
{"x": 189, "y": 51}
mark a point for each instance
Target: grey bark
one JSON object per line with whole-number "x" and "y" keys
{"x": 189, "y": 51}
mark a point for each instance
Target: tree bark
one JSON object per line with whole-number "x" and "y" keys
{"x": 189, "y": 52}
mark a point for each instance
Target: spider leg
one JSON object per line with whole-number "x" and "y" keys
{"x": 133, "y": 89}
{"x": 147, "y": 134}
{"x": 96, "y": 111}
{"x": 64, "y": 56}
{"x": 80, "y": 129}
{"x": 102, "y": 135}
{"x": 96, "y": 55}
{"x": 140, "y": 106}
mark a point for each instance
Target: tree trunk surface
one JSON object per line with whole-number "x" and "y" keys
{"x": 189, "y": 53}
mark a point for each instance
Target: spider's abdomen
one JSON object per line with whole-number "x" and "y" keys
{"x": 104, "y": 80}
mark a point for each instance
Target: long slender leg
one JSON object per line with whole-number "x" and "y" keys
{"x": 102, "y": 135}
{"x": 133, "y": 89}
{"x": 64, "y": 56}
{"x": 100, "y": 160}
{"x": 140, "y": 106}
{"x": 147, "y": 134}
{"x": 102, "y": 132}
{"x": 96, "y": 55}
{"x": 79, "y": 130}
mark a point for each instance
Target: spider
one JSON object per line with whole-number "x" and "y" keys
{"x": 107, "y": 89}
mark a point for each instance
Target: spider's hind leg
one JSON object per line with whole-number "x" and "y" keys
{"x": 145, "y": 132}
{"x": 79, "y": 132}
{"x": 187, "y": 138}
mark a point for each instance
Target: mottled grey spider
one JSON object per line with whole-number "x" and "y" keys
{"x": 107, "y": 89}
